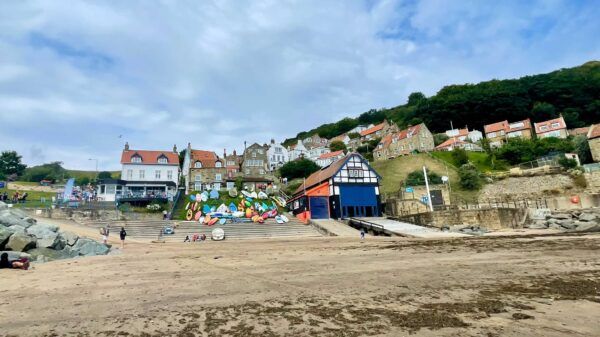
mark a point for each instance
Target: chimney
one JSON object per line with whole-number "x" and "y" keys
{"x": 175, "y": 148}
{"x": 224, "y": 153}
{"x": 244, "y": 146}
{"x": 126, "y": 146}
{"x": 234, "y": 153}
{"x": 272, "y": 141}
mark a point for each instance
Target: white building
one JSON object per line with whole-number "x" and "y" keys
{"x": 277, "y": 154}
{"x": 360, "y": 128}
{"x": 327, "y": 159}
{"x": 462, "y": 134}
{"x": 296, "y": 151}
{"x": 316, "y": 152}
{"x": 145, "y": 176}
{"x": 344, "y": 138}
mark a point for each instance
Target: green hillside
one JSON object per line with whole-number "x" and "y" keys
{"x": 395, "y": 171}
{"x": 77, "y": 174}
{"x": 572, "y": 92}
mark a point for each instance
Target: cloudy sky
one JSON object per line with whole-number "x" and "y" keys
{"x": 79, "y": 78}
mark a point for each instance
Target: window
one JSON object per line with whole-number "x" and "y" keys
{"x": 217, "y": 186}
{"x": 197, "y": 164}
{"x": 555, "y": 125}
{"x": 253, "y": 154}
{"x": 111, "y": 189}
{"x": 197, "y": 186}
{"x": 170, "y": 175}
{"x": 491, "y": 135}
{"x": 136, "y": 159}
{"x": 142, "y": 174}
{"x": 129, "y": 174}
{"x": 162, "y": 160}
{"x": 218, "y": 164}
{"x": 198, "y": 177}
{"x": 517, "y": 125}
{"x": 355, "y": 173}
{"x": 230, "y": 185}
{"x": 247, "y": 171}
{"x": 261, "y": 171}
{"x": 218, "y": 177}
{"x": 230, "y": 163}
{"x": 260, "y": 151}
{"x": 157, "y": 174}
{"x": 544, "y": 127}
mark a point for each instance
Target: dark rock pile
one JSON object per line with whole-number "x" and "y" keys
{"x": 22, "y": 236}
{"x": 580, "y": 220}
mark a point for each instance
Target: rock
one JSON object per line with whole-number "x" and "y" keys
{"x": 89, "y": 247}
{"x": 552, "y": 220}
{"x": 588, "y": 217}
{"x": 16, "y": 255}
{"x": 5, "y": 234}
{"x": 561, "y": 216}
{"x": 21, "y": 242}
{"x": 17, "y": 229}
{"x": 588, "y": 227}
{"x": 48, "y": 254}
{"x": 555, "y": 226}
{"x": 46, "y": 235}
{"x": 568, "y": 224}
{"x": 48, "y": 241}
{"x": 538, "y": 225}
{"x": 3, "y": 205}
{"x": 69, "y": 237}
{"x": 8, "y": 219}
{"x": 30, "y": 220}
{"x": 39, "y": 230}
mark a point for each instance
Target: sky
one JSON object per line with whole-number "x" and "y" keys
{"x": 78, "y": 79}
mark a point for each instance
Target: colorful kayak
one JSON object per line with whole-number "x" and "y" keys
{"x": 189, "y": 215}
{"x": 214, "y": 194}
{"x": 253, "y": 195}
{"x": 222, "y": 209}
{"x": 279, "y": 220}
{"x": 262, "y": 195}
{"x": 204, "y": 196}
{"x": 222, "y": 221}
{"x": 206, "y": 209}
{"x": 232, "y": 208}
{"x": 247, "y": 203}
{"x": 238, "y": 214}
{"x": 187, "y": 206}
{"x": 284, "y": 218}
{"x": 213, "y": 221}
{"x": 207, "y": 219}
{"x": 198, "y": 215}
{"x": 248, "y": 213}
{"x": 247, "y": 194}
{"x": 233, "y": 192}
{"x": 192, "y": 197}
{"x": 279, "y": 201}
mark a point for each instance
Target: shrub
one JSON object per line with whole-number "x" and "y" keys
{"x": 337, "y": 145}
{"x": 579, "y": 181}
{"x": 567, "y": 163}
{"x": 417, "y": 178}
{"x": 469, "y": 177}
{"x": 460, "y": 157}
{"x": 300, "y": 168}
{"x": 104, "y": 175}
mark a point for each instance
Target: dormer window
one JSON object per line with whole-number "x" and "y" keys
{"x": 197, "y": 164}
{"x": 218, "y": 164}
{"x": 136, "y": 159}
{"x": 163, "y": 160}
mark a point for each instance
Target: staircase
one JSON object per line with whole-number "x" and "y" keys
{"x": 150, "y": 229}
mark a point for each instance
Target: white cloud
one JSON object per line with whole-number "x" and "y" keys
{"x": 74, "y": 75}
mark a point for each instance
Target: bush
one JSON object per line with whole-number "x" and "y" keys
{"x": 460, "y": 157}
{"x": 580, "y": 181}
{"x": 104, "y": 175}
{"x": 469, "y": 177}
{"x": 417, "y": 178}
{"x": 567, "y": 163}
{"x": 300, "y": 168}
{"x": 51, "y": 171}
{"x": 439, "y": 138}
{"x": 337, "y": 145}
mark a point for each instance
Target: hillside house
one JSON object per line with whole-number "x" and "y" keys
{"x": 296, "y": 151}
{"x": 455, "y": 143}
{"x": 498, "y": 133}
{"x": 378, "y": 131}
{"x": 314, "y": 141}
{"x": 416, "y": 138}
{"x": 146, "y": 176}
{"x": 551, "y": 128}
{"x": 594, "y": 141}
{"x": 256, "y": 162}
{"x": 233, "y": 164}
{"x": 277, "y": 154}
{"x": 316, "y": 152}
{"x": 347, "y": 188}
{"x": 344, "y": 138}
{"x": 465, "y": 135}
{"x": 328, "y": 158}
{"x": 203, "y": 170}
{"x": 579, "y": 131}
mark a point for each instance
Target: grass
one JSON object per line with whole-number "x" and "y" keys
{"x": 395, "y": 171}
{"x": 479, "y": 159}
{"x": 77, "y": 174}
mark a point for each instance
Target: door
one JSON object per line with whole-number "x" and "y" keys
{"x": 436, "y": 197}
{"x": 319, "y": 207}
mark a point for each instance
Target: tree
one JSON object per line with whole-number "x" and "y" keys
{"x": 582, "y": 148}
{"x": 82, "y": 181}
{"x": 415, "y": 98}
{"x": 542, "y": 111}
{"x": 300, "y": 168}
{"x": 51, "y": 171}
{"x": 10, "y": 163}
{"x": 337, "y": 145}
{"x": 417, "y": 178}
{"x": 439, "y": 138}
{"x": 353, "y": 135}
{"x": 460, "y": 157}
{"x": 469, "y": 177}
{"x": 104, "y": 175}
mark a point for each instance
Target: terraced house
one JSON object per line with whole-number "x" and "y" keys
{"x": 416, "y": 138}
{"x": 499, "y": 133}
{"x": 551, "y": 128}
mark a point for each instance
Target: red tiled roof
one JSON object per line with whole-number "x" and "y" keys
{"x": 323, "y": 174}
{"x": 149, "y": 157}
{"x": 449, "y": 142}
{"x": 207, "y": 158}
{"x": 526, "y": 125}
{"x": 495, "y": 127}
{"x": 594, "y": 131}
{"x": 331, "y": 154}
{"x": 340, "y": 138}
{"x": 548, "y": 125}
{"x": 385, "y": 141}
{"x": 410, "y": 131}
{"x": 372, "y": 130}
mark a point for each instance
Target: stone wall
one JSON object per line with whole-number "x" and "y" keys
{"x": 491, "y": 219}
{"x": 515, "y": 188}
{"x": 595, "y": 148}
{"x": 88, "y": 215}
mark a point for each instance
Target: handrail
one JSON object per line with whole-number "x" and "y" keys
{"x": 367, "y": 223}
{"x": 175, "y": 201}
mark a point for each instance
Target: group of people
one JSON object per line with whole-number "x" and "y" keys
{"x": 22, "y": 263}
{"x": 195, "y": 238}
{"x": 16, "y": 197}
{"x": 105, "y": 231}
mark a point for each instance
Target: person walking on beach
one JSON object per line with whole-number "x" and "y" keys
{"x": 105, "y": 231}
{"x": 122, "y": 234}
{"x": 362, "y": 234}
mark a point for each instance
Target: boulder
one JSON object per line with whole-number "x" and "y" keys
{"x": 552, "y": 220}
{"x": 555, "y": 226}
{"x": 7, "y": 219}
{"x": 30, "y": 220}
{"x": 588, "y": 227}
{"x": 568, "y": 224}
{"x": 40, "y": 230}
{"x": 50, "y": 240}
{"x": 16, "y": 255}
{"x": 5, "y": 233}
{"x": 538, "y": 225}
{"x": 89, "y": 247}
{"x": 561, "y": 216}
{"x": 3, "y": 205}
{"x": 70, "y": 238}
{"x": 21, "y": 242}
{"x": 47, "y": 254}
{"x": 588, "y": 217}
{"x": 17, "y": 229}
